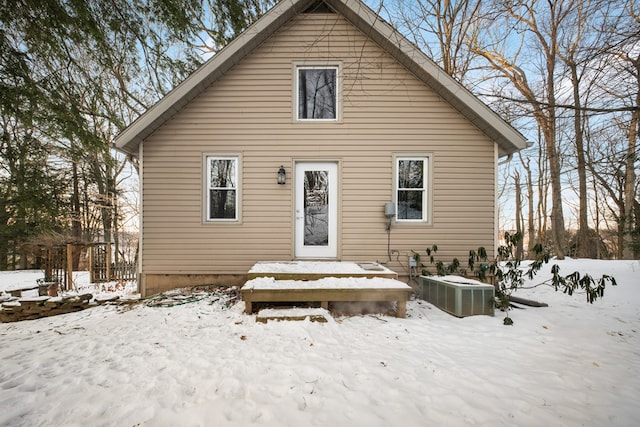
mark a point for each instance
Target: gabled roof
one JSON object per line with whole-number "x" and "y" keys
{"x": 361, "y": 16}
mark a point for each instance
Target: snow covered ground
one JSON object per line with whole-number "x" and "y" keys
{"x": 204, "y": 363}
{"x": 81, "y": 283}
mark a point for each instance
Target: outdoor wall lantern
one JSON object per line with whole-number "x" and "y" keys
{"x": 282, "y": 175}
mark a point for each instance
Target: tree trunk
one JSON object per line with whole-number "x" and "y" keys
{"x": 597, "y": 218}
{"x": 4, "y": 234}
{"x": 531, "y": 225}
{"x": 4, "y": 254}
{"x": 116, "y": 232}
{"x": 518, "y": 207}
{"x": 583, "y": 223}
{"x": 636, "y": 235}
{"x": 76, "y": 220}
{"x": 542, "y": 192}
{"x": 557, "y": 214}
{"x": 630, "y": 173}
{"x": 549, "y": 132}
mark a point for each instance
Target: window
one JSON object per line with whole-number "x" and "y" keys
{"x": 411, "y": 187}
{"x": 317, "y": 97}
{"x": 222, "y": 188}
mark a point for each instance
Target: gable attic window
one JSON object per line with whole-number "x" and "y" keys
{"x": 318, "y": 7}
{"x": 317, "y": 93}
{"x": 222, "y": 188}
{"x": 411, "y": 188}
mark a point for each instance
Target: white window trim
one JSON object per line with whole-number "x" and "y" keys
{"x": 315, "y": 65}
{"x": 206, "y": 182}
{"x": 427, "y": 200}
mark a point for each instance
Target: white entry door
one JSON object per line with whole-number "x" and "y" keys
{"x": 316, "y": 210}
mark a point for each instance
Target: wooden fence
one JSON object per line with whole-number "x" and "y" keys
{"x": 102, "y": 267}
{"x": 58, "y": 261}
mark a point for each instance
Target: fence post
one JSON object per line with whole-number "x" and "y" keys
{"x": 91, "y": 268}
{"x": 108, "y": 250}
{"x": 69, "y": 278}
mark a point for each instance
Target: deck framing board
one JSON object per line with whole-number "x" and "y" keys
{"x": 325, "y": 296}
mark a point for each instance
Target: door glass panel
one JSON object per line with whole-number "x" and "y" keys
{"x": 316, "y": 208}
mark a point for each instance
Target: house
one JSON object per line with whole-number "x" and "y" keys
{"x": 296, "y": 139}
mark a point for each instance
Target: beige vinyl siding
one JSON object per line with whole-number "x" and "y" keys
{"x": 386, "y": 111}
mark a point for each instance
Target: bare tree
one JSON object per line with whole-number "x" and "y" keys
{"x": 441, "y": 29}
{"x": 571, "y": 48}
{"x": 615, "y": 74}
{"x": 543, "y": 21}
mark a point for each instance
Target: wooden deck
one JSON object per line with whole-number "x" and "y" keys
{"x": 323, "y": 283}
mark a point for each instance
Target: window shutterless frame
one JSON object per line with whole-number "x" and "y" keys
{"x": 222, "y": 188}
{"x": 412, "y": 188}
{"x": 316, "y": 93}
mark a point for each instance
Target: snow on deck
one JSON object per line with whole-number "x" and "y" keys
{"x": 269, "y": 283}
{"x": 319, "y": 267}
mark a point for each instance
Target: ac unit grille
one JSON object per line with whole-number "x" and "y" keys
{"x": 459, "y": 299}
